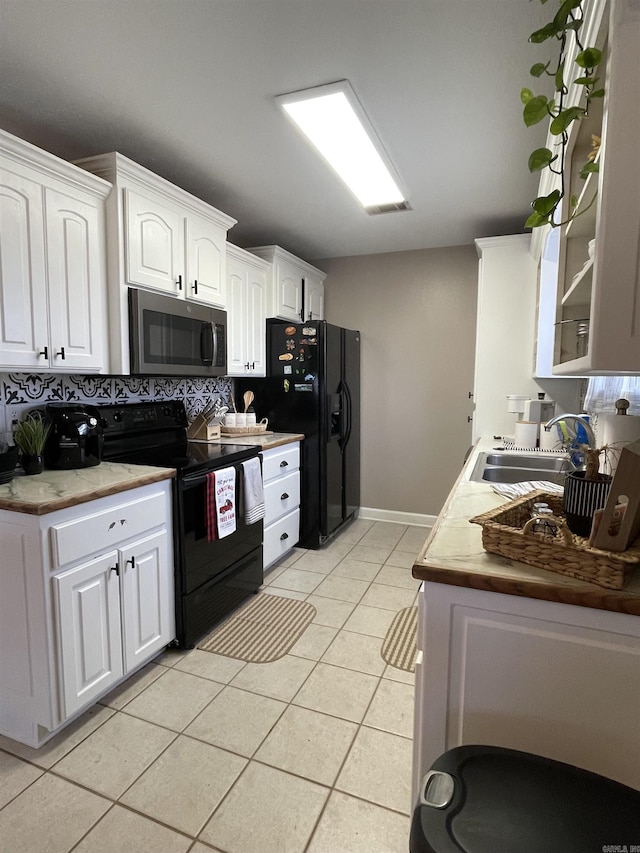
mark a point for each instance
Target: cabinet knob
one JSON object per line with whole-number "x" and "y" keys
{"x": 284, "y": 536}
{"x": 284, "y": 496}
{"x": 179, "y": 282}
{"x": 44, "y": 352}
{"x": 115, "y": 569}
{"x": 61, "y": 354}
{"x": 284, "y": 463}
{"x": 132, "y": 561}
{"x": 195, "y": 285}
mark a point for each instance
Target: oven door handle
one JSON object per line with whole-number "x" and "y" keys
{"x": 190, "y": 481}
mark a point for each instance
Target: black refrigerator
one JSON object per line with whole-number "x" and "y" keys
{"x": 313, "y": 387}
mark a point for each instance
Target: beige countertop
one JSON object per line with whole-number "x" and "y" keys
{"x": 265, "y": 441}
{"x": 453, "y": 554}
{"x": 53, "y": 490}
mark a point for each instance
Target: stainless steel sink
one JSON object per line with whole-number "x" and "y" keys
{"x": 518, "y": 468}
{"x": 518, "y": 460}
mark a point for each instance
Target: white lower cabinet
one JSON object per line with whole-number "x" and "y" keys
{"x": 281, "y": 477}
{"x": 88, "y": 597}
{"x": 554, "y": 679}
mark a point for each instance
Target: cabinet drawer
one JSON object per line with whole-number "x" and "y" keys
{"x": 92, "y": 533}
{"x": 280, "y": 461}
{"x": 279, "y": 538}
{"x": 281, "y": 496}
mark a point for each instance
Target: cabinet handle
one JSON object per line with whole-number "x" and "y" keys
{"x": 284, "y": 463}
{"x": 253, "y": 365}
{"x": 469, "y": 418}
{"x": 44, "y": 352}
{"x": 195, "y": 285}
{"x": 471, "y": 395}
{"x": 132, "y": 561}
{"x": 179, "y": 282}
{"x": 284, "y": 536}
{"x": 115, "y": 569}
{"x": 246, "y": 366}
{"x": 61, "y": 354}
{"x": 309, "y": 317}
{"x": 284, "y": 496}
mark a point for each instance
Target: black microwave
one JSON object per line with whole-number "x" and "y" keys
{"x": 170, "y": 336}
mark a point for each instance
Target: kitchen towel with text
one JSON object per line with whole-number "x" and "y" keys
{"x": 221, "y": 503}
{"x": 253, "y": 491}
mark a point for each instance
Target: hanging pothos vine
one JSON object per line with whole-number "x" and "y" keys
{"x": 565, "y": 25}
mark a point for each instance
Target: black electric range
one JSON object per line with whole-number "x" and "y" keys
{"x": 211, "y": 578}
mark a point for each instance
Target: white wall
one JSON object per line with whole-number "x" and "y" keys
{"x": 416, "y": 312}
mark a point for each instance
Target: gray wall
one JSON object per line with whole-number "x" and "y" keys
{"x": 416, "y": 312}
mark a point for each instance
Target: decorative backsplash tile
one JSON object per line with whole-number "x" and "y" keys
{"x": 20, "y": 392}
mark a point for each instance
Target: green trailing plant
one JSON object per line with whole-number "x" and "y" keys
{"x": 564, "y": 27}
{"x": 30, "y": 435}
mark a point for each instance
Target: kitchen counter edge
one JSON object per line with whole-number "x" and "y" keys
{"x": 264, "y": 442}
{"x": 54, "y": 490}
{"x": 453, "y": 555}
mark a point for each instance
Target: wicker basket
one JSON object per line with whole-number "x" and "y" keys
{"x": 254, "y": 429}
{"x": 508, "y": 531}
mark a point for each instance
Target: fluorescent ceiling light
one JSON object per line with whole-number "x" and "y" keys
{"x": 332, "y": 118}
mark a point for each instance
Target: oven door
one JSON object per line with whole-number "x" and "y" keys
{"x": 212, "y": 578}
{"x": 170, "y": 336}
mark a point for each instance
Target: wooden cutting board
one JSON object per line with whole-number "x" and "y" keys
{"x": 614, "y": 534}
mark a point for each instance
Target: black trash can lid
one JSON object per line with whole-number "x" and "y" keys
{"x": 483, "y": 799}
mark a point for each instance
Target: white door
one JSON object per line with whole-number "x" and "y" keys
{"x": 76, "y": 277}
{"x": 313, "y": 299}
{"x": 205, "y": 244}
{"x": 288, "y": 292}
{"x": 24, "y": 334}
{"x": 155, "y": 243}
{"x": 236, "y": 318}
{"x": 88, "y": 625}
{"x": 147, "y": 598}
{"x": 256, "y": 314}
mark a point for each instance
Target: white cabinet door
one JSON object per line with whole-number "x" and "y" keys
{"x": 24, "y": 335}
{"x": 147, "y": 598}
{"x": 88, "y": 602}
{"x": 255, "y": 319}
{"x": 313, "y": 299}
{"x": 205, "y": 251}
{"x": 247, "y": 312}
{"x": 76, "y": 277}
{"x": 154, "y": 243}
{"x": 288, "y": 293}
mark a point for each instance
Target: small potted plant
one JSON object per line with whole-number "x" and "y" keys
{"x": 586, "y": 491}
{"x": 30, "y": 436}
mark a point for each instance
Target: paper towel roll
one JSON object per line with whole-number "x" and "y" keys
{"x": 618, "y": 431}
{"x": 526, "y": 434}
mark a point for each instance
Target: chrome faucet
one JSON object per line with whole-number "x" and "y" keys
{"x": 591, "y": 439}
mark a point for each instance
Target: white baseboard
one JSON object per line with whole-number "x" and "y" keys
{"x": 415, "y": 518}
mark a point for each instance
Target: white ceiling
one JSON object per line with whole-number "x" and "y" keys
{"x": 186, "y": 88}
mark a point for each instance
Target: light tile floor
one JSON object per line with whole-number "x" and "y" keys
{"x": 199, "y": 752}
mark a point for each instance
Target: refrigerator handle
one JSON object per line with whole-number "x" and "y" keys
{"x": 346, "y": 432}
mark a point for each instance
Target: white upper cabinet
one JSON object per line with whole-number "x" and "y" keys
{"x": 313, "y": 298}
{"x": 247, "y": 312}
{"x": 160, "y": 238}
{"x": 154, "y": 243}
{"x": 52, "y": 263}
{"x": 597, "y": 323}
{"x": 296, "y": 289}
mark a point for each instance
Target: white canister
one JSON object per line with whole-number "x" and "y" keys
{"x": 526, "y": 434}
{"x": 251, "y": 419}
{"x": 241, "y": 419}
{"x": 230, "y": 419}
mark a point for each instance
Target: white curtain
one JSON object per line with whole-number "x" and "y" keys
{"x": 603, "y": 391}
